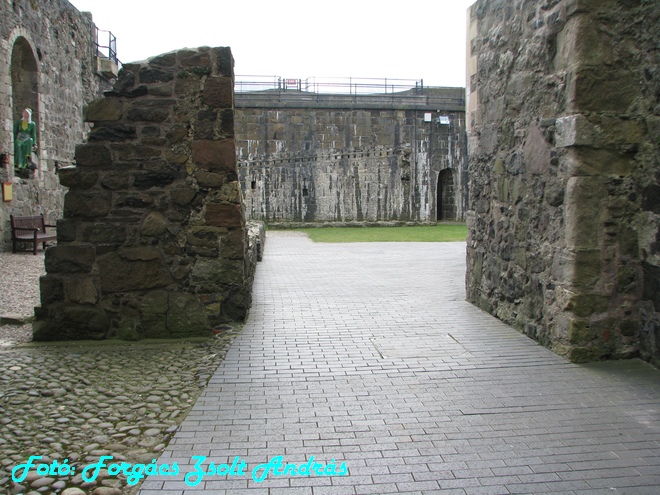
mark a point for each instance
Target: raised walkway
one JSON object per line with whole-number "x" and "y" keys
{"x": 367, "y": 354}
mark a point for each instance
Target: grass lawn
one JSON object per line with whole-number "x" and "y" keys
{"x": 420, "y": 233}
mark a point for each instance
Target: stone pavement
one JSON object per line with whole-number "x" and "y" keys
{"x": 367, "y": 354}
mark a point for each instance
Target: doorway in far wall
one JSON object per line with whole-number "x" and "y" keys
{"x": 446, "y": 205}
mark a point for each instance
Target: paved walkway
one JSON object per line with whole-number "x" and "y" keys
{"x": 367, "y": 354}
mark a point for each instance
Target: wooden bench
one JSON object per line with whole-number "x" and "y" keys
{"x": 30, "y": 229}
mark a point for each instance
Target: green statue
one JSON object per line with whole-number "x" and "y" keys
{"x": 25, "y": 140}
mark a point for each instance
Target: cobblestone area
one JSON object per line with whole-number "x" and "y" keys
{"x": 80, "y": 401}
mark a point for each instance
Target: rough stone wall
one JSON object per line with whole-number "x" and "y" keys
{"x": 563, "y": 126}
{"x": 56, "y": 41}
{"x": 153, "y": 241}
{"x": 310, "y": 161}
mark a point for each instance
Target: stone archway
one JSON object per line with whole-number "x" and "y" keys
{"x": 24, "y": 81}
{"x": 446, "y": 204}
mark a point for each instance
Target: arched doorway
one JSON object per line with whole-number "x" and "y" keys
{"x": 446, "y": 206}
{"x": 24, "y": 81}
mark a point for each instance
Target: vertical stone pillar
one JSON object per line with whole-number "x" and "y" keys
{"x": 564, "y": 164}
{"x": 153, "y": 240}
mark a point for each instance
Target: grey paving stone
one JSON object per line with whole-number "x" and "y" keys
{"x": 368, "y": 354}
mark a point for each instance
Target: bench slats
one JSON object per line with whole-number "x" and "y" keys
{"x": 30, "y": 229}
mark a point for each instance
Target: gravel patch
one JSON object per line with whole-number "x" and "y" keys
{"x": 19, "y": 294}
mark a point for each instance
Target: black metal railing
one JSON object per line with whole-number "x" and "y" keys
{"x": 328, "y": 85}
{"x": 108, "y": 51}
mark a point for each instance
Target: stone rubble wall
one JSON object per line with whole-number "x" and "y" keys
{"x": 325, "y": 163}
{"x": 153, "y": 242}
{"x": 61, "y": 41}
{"x": 564, "y": 166}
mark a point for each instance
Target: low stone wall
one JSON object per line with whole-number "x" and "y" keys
{"x": 153, "y": 242}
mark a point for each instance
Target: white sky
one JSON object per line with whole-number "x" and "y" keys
{"x": 417, "y": 39}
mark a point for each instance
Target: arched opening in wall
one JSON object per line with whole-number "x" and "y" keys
{"x": 24, "y": 83}
{"x": 446, "y": 205}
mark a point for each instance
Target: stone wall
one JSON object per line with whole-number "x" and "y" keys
{"x": 47, "y": 63}
{"x": 305, "y": 157}
{"x": 153, "y": 241}
{"x": 563, "y": 126}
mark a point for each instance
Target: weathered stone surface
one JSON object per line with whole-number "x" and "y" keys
{"x": 224, "y": 61}
{"x": 102, "y": 233}
{"x": 185, "y": 316}
{"x": 149, "y": 111}
{"x": 119, "y": 273}
{"x": 219, "y": 92}
{"x": 182, "y": 195}
{"x": 195, "y": 58}
{"x": 92, "y": 155}
{"x": 81, "y": 290}
{"x": 224, "y": 215}
{"x": 51, "y": 288}
{"x": 233, "y": 244}
{"x": 84, "y": 323}
{"x": 149, "y": 75}
{"x": 86, "y": 204}
{"x": 154, "y": 224}
{"x": 210, "y": 179}
{"x": 78, "y": 178}
{"x": 115, "y": 179}
{"x": 560, "y": 252}
{"x": 305, "y": 161}
{"x": 104, "y": 109}
{"x": 70, "y": 258}
{"x": 157, "y": 178}
{"x": 215, "y": 155}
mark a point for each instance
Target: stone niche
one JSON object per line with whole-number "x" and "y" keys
{"x": 564, "y": 164}
{"x": 153, "y": 242}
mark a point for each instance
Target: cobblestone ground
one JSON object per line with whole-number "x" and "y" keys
{"x": 83, "y": 401}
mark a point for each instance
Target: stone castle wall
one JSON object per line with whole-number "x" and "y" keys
{"x": 153, "y": 242}
{"x": 563, "y": 125}
{"x": 305, "y": 157}
{"x": 47, "y": 62}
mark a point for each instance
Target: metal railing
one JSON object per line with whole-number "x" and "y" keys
{"x": 108, "y": 51}
{"x": 328, "y": 85}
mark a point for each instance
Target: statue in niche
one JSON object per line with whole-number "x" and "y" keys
{"x": 25, "y": 142}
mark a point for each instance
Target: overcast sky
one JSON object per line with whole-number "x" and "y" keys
{"x": 419, "y": 39}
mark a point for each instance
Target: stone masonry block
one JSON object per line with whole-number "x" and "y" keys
{"x": 222, "y": 215}
{"x": 121, "y": 274}
{"x": 87, "y": 204}
{"x": 104, "y": 110}
{"x": 574, "y": 130}
{"x": 70, "y": 258}
{"x": 215, "y": 155}
{"x": 93, "y": 155}
{"x": 224, "y": 61}
{"x": 79, "y": 178}
{"x": 219, "y": 92}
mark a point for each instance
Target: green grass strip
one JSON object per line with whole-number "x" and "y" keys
{"x": 420, "y": 233}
